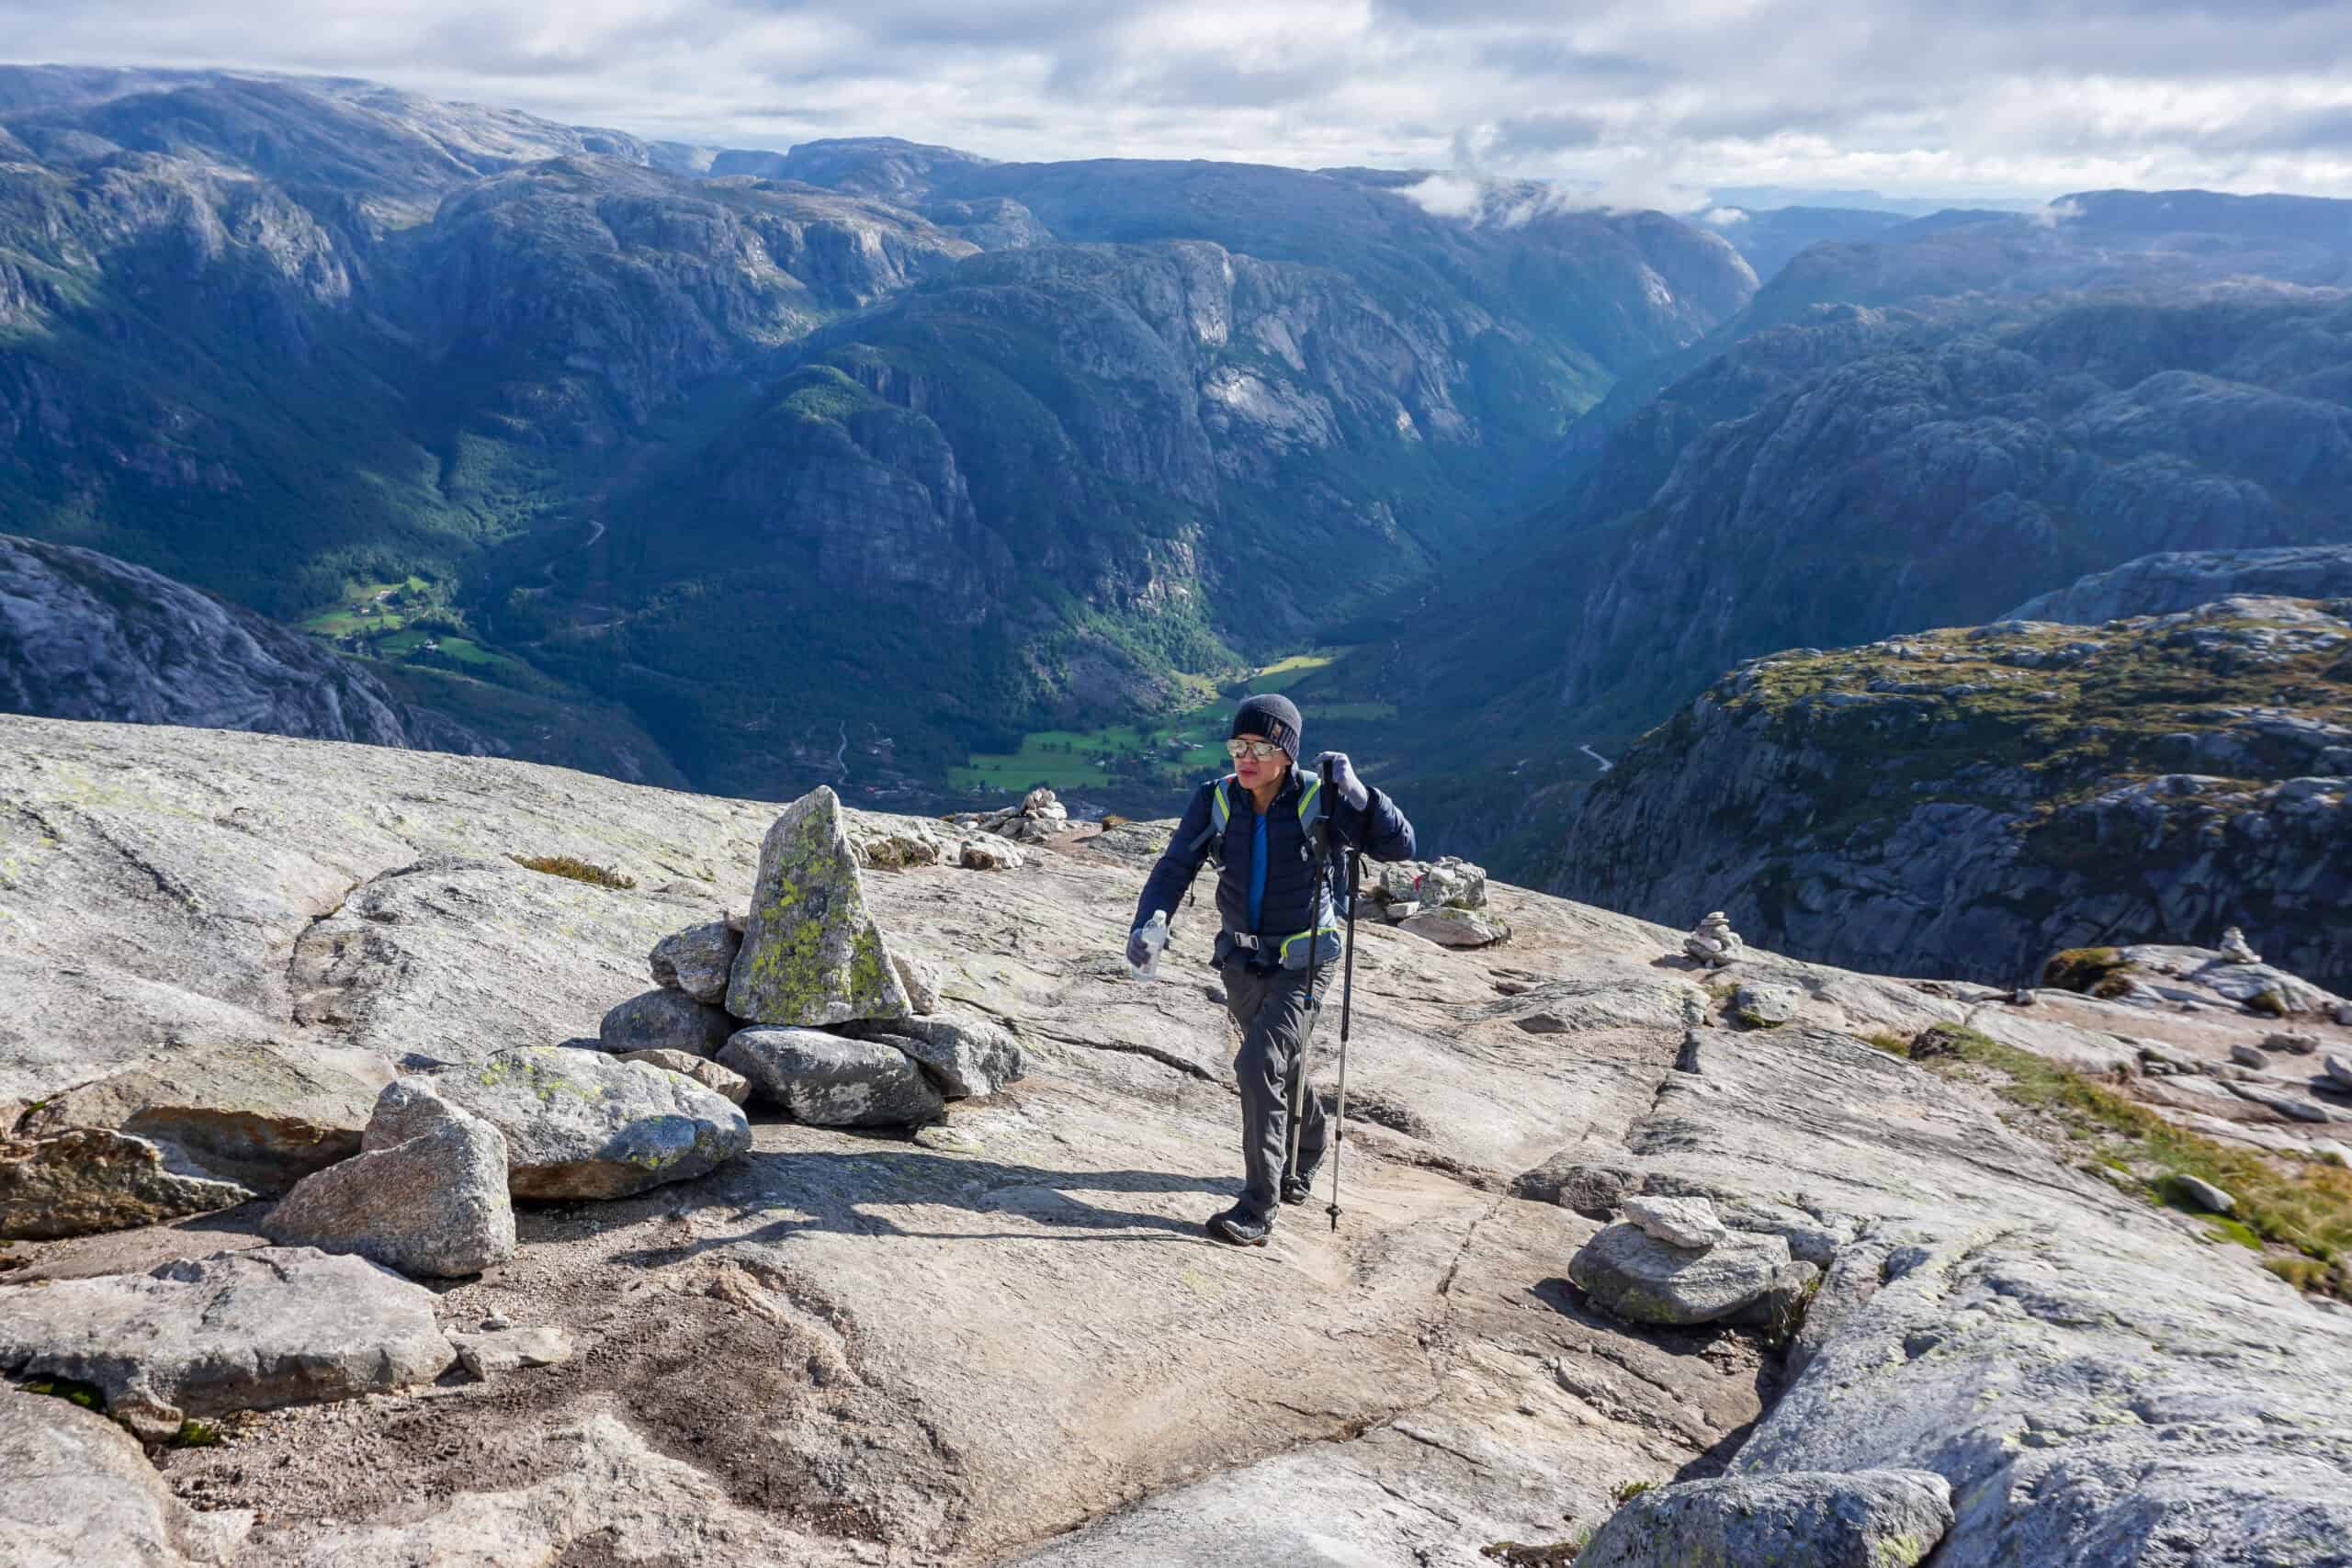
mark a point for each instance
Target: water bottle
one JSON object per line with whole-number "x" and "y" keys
{"x": 1155, "y": 937}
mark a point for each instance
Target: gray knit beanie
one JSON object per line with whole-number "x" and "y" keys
{"x": 1273, "y": 716}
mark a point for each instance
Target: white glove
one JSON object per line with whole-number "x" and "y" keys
{"x": 1343, "y": 778}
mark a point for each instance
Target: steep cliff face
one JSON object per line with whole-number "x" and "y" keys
{"x": 84, "y": 635}
{"x": 1967, "y": 802}
{"x": 1944, "y": 483}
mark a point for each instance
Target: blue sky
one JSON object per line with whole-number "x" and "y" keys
{"x": 1650, "y": 101}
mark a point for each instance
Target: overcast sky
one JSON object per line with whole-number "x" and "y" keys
{"x": 1653, "y": 100}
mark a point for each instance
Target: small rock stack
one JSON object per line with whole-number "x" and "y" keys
{"x": 802, "y": 1001}
{"x": 1672, "y": 1261}
{"x": 1714, "y": 943}
{"x": 1038, "y": 817}
{"x": 1443, "y": 900}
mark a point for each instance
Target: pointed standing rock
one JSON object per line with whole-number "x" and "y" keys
{"x": 812, "y": 955}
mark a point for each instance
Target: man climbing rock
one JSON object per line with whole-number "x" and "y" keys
{"x": 1276, "y": 921}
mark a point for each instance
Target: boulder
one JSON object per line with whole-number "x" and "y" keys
{"x": 1456, "y": 928}
{"x": 811, "y": 954}
{"x": 1871, "y": 1518}
{"x": 255, "y": 1115}
{"x": 579, "y": 1124}
{"x": 90, "y": 1180}
{"x": 496, "y": 1352}
{"x": 2205, "y": 1195}
{"x": 895, "y": 844}
{"x": 1453, "y": 884}
{"x": 235, "y": 1331}
{"x": 2339, "y": 1072}
{"x": 76, "y": 1491}
{"x": 986, "y": 852}
{"x": 427, "y": 1196}
{"x": 1687, "y": 1222}
{"x": 1630, "y": 1274}
{"x": 1779, "y": 1307}
{"x": 922, "y": 990}
{"x": 2292, "y": 1044}
{"x": 964, "y": 1056}
{"x": 665, "y": 1021}
{"x": 704, "y": 1070}
{"x": 696, "y": 961}
{"x": 1764, "y": 1006}
{"x": 2246, "y": 1055}
{"x": 831, "y": 1081}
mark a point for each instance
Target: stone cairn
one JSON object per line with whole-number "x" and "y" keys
{"x": 1443, "y": 900}
{"x": 2234, "y": 950}
{"x": 1038, "y": 817}
{"x": 803, "y": 1002}
{"x": 1713, "y": 943}
{"x": 1672, "y": 1261}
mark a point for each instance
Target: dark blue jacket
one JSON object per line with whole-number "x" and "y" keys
{"x": 1294, "y": 903}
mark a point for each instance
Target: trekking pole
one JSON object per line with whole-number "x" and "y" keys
{"x": 1313, "y": 1006}
{"x": 1347, "y": 1003}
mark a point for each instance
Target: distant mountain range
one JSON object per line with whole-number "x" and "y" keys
{"x": 739, "y": 463}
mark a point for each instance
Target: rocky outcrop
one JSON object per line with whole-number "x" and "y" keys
{"x": 235, "y": 1331}
{"x": 1965, "y": 803}
{"x": 828, "y": 1080}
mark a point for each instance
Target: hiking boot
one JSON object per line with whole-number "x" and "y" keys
{"x": 1298, "y": 1189}
{"x": 1238, "y": 1226}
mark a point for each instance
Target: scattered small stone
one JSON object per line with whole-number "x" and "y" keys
{"x": 1687, "y": 1222}
{"x": 702, "y": 1070}
{"x": 2023, "y": 996}
{"x": 697, "y": 961}
{"x": 2292, "y": 1044}
{"x": 509, "y": 1350}
{"x": 2205, "y": 1195}
{"x": 2246, "y": 1055}
{"x": 1714, "y": 942}
{"x": 1543, "y": 1023}
{"x": 495, "y": 1321}
{"x": 984, "y": 852}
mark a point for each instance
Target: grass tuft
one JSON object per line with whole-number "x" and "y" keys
{"x": 578, "y": 870}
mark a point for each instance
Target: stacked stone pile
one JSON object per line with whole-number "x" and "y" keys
{"x": 1039, "y": 817}
{"x": 803, "y": 1002}
{"x": 1443, "y": 900}
{"x": 1671, "y": 1261}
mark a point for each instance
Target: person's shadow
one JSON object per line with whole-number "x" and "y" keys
{"x": 843, "y": 1191}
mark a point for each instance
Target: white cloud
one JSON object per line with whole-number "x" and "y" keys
{"x": 1724, "y": 216}
{"x": 1664, "y": 98}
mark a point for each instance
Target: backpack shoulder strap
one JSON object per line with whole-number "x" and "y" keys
{"x": 1310, "y": 810}
{"x": 1212, "y": 837}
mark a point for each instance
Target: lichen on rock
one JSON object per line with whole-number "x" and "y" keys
{"x": 812, "y": 954}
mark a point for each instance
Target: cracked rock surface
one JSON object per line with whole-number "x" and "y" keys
{"x": 1003, "y": 1337}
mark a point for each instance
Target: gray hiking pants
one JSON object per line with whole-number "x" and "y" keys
{"x": 1276, "y": 1025}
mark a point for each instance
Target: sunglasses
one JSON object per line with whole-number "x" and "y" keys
{"x": 1237, "y": 748}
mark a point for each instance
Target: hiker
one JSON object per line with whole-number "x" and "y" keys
{"x": 1275, "y": 920}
